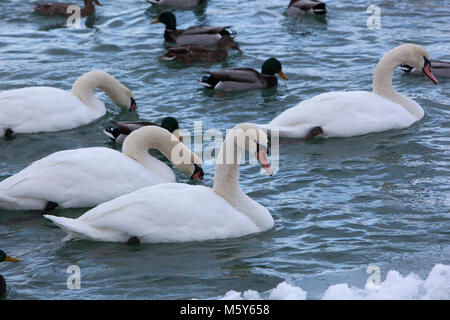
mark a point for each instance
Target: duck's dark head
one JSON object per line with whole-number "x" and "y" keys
{"x": 5, "y": 257}
{"x": 168, "y": 18}
{"x": 171, "y": 125}
{"x": 272, "y": 66}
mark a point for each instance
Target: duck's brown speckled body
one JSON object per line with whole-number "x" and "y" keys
{"x": 195, "y": 53}
{"x": 60, "y": 9}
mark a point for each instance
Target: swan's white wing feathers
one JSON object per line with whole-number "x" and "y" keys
{"x": 342, "y": 114}
{"x": 162, "y": 213}
{"x": 40, "y": 109}
{"x": 75, "y": 178}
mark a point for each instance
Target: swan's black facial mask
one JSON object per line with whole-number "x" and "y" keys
{"x": 262, "y": 156}
{"x": 132, "y": 104}
{"x": 198, "y": 173}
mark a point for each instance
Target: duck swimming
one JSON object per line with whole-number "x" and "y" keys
{"x": 5, "y": 258}
{"x": 301, "y": 7}
{"x": 177, "y": 3}
{"x": 353, "y": 113}
{"x": 194, "y": 53}
{"x": 86, "y": 177}
{"x": 235, "y": 79}
{"x": 176, "y": 212}
{"x": 45, "y": 109}
{"x": 60, "y": 9}
{"x": 121, "y": 129}
{"x": 200, "y": 35}
{"x": 440, "y": 69}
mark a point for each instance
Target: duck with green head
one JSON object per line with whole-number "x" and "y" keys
{"x": 119, "y": 130}
{"x": 235, "y": 79}
{"x": 200, "y": 35}
{"x": 4, "y": 258}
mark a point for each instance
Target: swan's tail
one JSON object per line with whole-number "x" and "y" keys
{"x": 75, "y": 228}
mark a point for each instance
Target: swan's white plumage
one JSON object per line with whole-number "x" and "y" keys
{"x": 174, "y": 212}
{"x": 342, "y": 114}
{"x": 164, "y": 213}
{"x": 346, "y": 114}
{"x": 77, "y": 178}
{"x": 45, "y": 109}
{"x": 40, "y": 109}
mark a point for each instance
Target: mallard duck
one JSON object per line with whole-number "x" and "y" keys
{"x": 440, "y": 69}
{"x": 60, "y": 9}
{"x": 177, "y": 3}
{"x": 120, "y": 130}
{"x": 194, "y": 53}
{"x": 235, "y": 79}
{"x": 301, "y": 7}
{"x": 200, "y": 35}
{"x": 4, "y": 257}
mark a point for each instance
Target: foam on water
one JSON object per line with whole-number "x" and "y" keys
{"x": 395, "y": 287}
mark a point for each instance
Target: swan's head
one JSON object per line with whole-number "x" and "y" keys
{"x": 417, "y": 58}
{"x": 250, "y": 137}
{"x": 123, "y": 97}
{"x": 5, "y": 257}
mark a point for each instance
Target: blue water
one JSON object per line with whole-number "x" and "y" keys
{"x": 339, "y": 205}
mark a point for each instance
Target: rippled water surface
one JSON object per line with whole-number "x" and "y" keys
{"x": 339, "y": 205}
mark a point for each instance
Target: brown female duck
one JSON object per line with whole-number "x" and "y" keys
{"x": 195, "y": 53}
{"x": 60, "y": 9}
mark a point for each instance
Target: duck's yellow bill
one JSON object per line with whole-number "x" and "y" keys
{"x": 281, "y": 73}
{"x": 155, "y": 21}
{"x": 11, "y": 259}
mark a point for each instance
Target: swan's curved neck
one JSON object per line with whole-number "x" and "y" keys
{"x": 382, "y": 82}
{"x": 84, "y": 87}
{"x": 137, "y": 144}
{"x": 226, "y": 184}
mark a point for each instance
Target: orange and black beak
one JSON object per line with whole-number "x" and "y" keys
{"x": 97, "y": 3}
{"x": 198, "y": 173}
{"x": 155, "y": 21}
{"x": 261, "y": 155}
{"x": 132, "y": 104}
{"x": 11, "y": 259}
{"x": 427, "y": 70}
{"x": 281, "y": 73}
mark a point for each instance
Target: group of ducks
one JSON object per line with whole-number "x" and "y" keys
{"x": 134, "y": 195}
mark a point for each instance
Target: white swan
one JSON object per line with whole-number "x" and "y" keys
{"x": 89, "y": 176}
{"x": 175, "y": 212}
{"x": 43, "y": 109}
{"x": 352, "y": 113}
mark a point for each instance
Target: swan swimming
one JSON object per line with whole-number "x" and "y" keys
{"x": 352, "y": 113}
{"x": 86, "y": 177}
{"x": 176, "y": 212}
{"x": 45, "y": 109}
